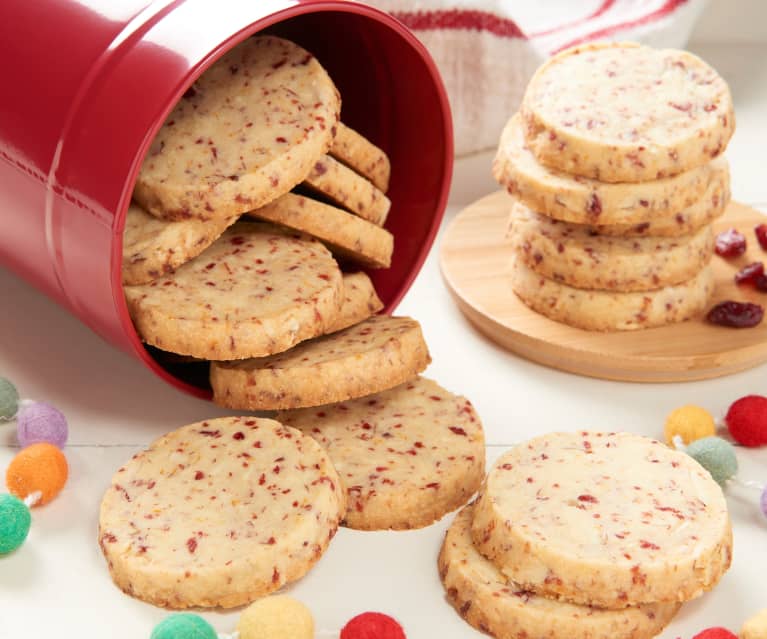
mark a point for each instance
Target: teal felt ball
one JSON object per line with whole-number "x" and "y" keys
{"x": 9, "y": 399}
{"x": 15, "y": 520}
{"x": 717, "y": 456}
{"x": 184, "y": 625}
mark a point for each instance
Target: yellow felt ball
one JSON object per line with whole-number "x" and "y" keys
{"x": 690, "y": 423}
{"x": 756, "y": 627}
{"x": 278, "y": 617}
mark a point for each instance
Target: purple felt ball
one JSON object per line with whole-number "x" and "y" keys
{"x": 41, "y": 422}
{"x": 763, "y": 502}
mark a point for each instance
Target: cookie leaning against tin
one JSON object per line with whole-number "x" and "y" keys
{"x": 255, "y": 291}
{"x": 248, "y": 130}
{"x": 604, "y": 519}
{"x": 586, "y": 201}
{"x": 610, "y": 310}
{"x": 406, "y": 456}
{"x": 362, "y": 156}
{"x": 376, "y": 354}
{"x": 219, "y": 513}
{"x": 345, "y": 188}
{"x": 622, "y": 112}
{"x": 153, "y": 247}
{"x": 484, "y": 597}
{"x": 573, "y": 255}
{"x": 344, "y": 233}
{"x": 360, "y": 302}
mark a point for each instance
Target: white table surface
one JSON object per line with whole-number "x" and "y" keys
{"x": 57, "y": 583}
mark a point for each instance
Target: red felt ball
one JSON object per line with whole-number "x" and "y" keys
{"x": 372, "y": 625}
{"x": 715, "y": 633}
{"x": 747, "y": 420}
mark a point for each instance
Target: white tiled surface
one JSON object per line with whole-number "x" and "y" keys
{"x": 57, "y": 584}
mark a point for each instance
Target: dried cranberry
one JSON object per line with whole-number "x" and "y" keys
{"x": 761, "y": 235}
{"x": 730, "y": 243}
{"x": 749, "y": 274}
{"x": 736, "y": 314}
{"x": 761, "y": 283}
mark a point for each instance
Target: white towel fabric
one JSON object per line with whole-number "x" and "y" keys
{"x": 486, "y": 50}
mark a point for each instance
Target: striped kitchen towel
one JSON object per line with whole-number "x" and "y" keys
{"x": 487, "y": 50}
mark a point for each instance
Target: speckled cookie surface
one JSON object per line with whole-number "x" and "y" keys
{"x": 248, "y": 130}
{"x": 362, "y": 156}
{"x": 621, "y": 112}
{"x": 219, "y": 513}
{"x": 360, "y": 302}
{"x": 406, "y": 456}
{"x": 484, "y": 597}
{"x": 366, "y": 358}
{"x": 346, "y": 234}
{"x": 609, "y": 310}
{"x": 153, "y": 247}
{"x": 254, "y": 292}
{"x": 586, "y": 201}
{"x": 607, "y": 519}
{"x": 573, "y": 255}
{"x": 350, "y": 191}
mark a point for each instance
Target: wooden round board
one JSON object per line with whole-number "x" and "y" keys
{"x": 474, "y": 258}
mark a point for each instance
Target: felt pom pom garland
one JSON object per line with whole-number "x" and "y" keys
{"x": 38, "y": 472}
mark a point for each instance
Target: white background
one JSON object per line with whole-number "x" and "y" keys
{"x": 57, "y": 583}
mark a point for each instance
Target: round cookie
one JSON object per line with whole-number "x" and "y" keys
{"x": 484, "y": 597}
{"x": 376, "y": 354}
{"x": 153, "y": 247}
{"x": 406, "y": 456}
{"x": 255, "y": 291}
{"x": 362, "y": 156}
{"x": 573, "y": 255}
{"x": 360, "y": 302}
{"x": 685, "y": 222}
{"x": 248, "y": 130}
{"x": 344, "y": 233}
{"x": 608, "y": 310}
{"x": 585, "y": 201}
{"x": 604, "y": 519}
{"x": 343, "y": 187}
{"x": 621, "y": 112}
{"x": 219, "y": 513}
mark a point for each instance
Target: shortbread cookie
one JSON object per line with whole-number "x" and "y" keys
{"x": 608, "y": 310}
{"x": 687, "y": 221}
{"x": 377, "y": 354}
{"x": 248, "y": 130}
{"x": 406, "y": 456}
{"x": 362, "y": 156}
{"x": 484, "y": 597}
{"x": 153, "y": 247}
{"x": 360, "y": 302}
{"x": 621, "y": 112}
{"x": 344, "y": 187}
{"x": 346, "y": 234}
{"x": 219, "y": 513}
{"x": 585, "y": 201}
{"x": 604, "y": 519}
{"x": 255, "y": 291}
{"x": 573, "y": 255}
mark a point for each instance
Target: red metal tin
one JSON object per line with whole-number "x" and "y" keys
{"x": 87, "y": 83}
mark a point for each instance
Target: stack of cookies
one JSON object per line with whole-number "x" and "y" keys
{"x": 250, "y": 193}
{"x": 614, "y": 161}
{"x": 588, "y": 534}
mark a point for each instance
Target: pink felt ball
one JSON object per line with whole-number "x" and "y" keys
{"x": 40, "y": 422}
{"x": 372, "y": 625}
{"x": 715, "y": 633}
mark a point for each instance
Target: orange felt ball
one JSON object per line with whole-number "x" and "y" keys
{"x": 39, "y": 467}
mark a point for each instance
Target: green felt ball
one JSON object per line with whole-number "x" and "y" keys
{"x": 717, "y": 456}
{"x": 9, "y": 399}
{"x": 184, "y": 625}
{"x": 15, "y": 520}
